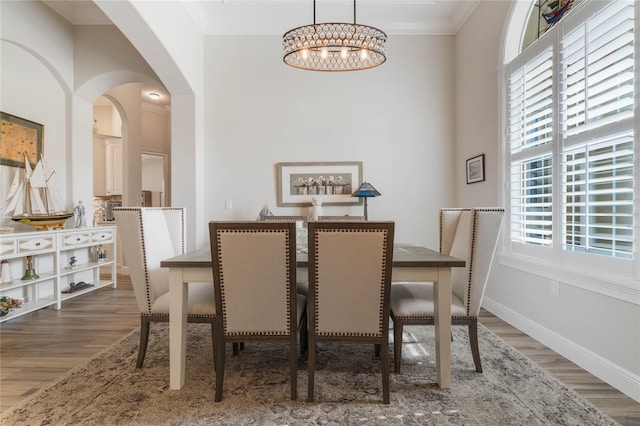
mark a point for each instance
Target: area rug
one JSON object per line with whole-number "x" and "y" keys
{"x": 109, "y": 390}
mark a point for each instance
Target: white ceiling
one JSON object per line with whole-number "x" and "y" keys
{"x": 439, "y": 17}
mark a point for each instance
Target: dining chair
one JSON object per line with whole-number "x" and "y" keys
{"x": 254, "y": 276}
{"x": 302, "y": 219}
{"x": 149, "y": 235}
{"x": 466, "y": 233}
{"x": 350, "y": 267}
{"x": 302, "y": 286}
{"x": 345, "y": 218}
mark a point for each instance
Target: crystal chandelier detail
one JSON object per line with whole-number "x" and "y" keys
{"x": 334, "y": 46}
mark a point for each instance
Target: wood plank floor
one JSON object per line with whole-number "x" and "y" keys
{"x": 40, "y": 347}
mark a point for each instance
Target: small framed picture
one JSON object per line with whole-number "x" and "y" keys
{"x": 475, "y": 169}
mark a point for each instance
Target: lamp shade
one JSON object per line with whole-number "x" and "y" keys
{"x": 366, "y": 190}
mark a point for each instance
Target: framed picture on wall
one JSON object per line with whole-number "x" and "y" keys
{"x": 334, "y": 182}
{"x": 20, "y": 137}
{"x": 475, "y": 169}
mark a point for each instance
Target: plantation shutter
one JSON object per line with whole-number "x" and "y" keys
{"x": 597, "y": 98}
{"x": 531, "y": 103}
{"x": 597, "y": 70}
{"x": 530, "y": 135}
{"x": 598, "y": 197}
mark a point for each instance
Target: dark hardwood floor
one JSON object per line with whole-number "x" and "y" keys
{"x": 38, "y": 348}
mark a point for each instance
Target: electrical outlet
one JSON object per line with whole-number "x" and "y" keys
{"x": 555, "y": 288}
{"x": 228, "y": 204}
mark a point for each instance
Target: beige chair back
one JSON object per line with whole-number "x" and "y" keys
{"x": 349, "y": 278}
{"x": 254, "y": 265}
{"x": 302, "y": 219}
{"x": 341, "y": 218}
{"x": 150, "y": 235}
{"x": 472, "y": 235}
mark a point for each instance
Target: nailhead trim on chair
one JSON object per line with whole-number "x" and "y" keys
{"x": 474, "y": 228}
{"x": 473, "y": 249}
{"x": 384, "y": 266}
{"x": 138, "y": 210}
{"x": 223, "y": 301}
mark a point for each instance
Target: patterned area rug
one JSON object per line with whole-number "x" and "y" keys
{"x": 109, "y": 390}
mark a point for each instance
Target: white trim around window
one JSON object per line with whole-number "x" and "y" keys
{"x": 571, "y": 154}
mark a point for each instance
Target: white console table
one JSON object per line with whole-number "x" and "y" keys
{"x": 51, "y": 253}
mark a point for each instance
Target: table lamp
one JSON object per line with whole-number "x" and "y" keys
{"x": 365, "y": 191}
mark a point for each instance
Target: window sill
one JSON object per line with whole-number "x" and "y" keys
{"x": 609, "y": 285}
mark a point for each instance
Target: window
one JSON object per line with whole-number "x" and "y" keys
{"x": 570, "y": 140}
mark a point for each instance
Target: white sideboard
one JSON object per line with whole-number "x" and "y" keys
{"x": 51, "y": 255}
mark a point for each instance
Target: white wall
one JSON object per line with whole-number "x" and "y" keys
{"x": 397, "y": 119}
{"x": 599, "y": 333}
{"x": 164, "y": 34}
{"x": 35, "y": 83}
{"x": 477, "y": 91}
{"x": 52, "y": 74}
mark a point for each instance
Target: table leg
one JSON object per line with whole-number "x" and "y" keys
{"x": 442, "y": 320}
{"x": 177, "y": 328}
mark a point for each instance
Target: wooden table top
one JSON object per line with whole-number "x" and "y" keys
{"x": 404, "y": 256}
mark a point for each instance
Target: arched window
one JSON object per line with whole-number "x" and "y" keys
{"x": 571, "y": 151}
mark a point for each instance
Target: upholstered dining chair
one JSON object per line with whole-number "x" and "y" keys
{"x": 303, "y": 286}
{"x": 302, "y": 219}
{"x": 349, "y": 287}
{"x": 470, "y": 234}
{"x": 345, "y": 218}
{"x": 254, "y": 275}
{"x": 150, "y": 235}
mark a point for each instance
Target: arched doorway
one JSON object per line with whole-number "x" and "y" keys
{"x": 129, "y": 120}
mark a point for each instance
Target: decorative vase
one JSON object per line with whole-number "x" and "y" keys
{"x": 6, "y": 271}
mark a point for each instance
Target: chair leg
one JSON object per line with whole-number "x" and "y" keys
{"x": 311, "y": 355}
{"x": 397, "y": 343}
{"x": 293, "y": 365}
{"x": 144, "y": 339}
{"x": 220, "y": 345}
{"x": 235, "y": 346}
{"x": 473, "y": 340}
{"x": 376, "y": 351}
{"x": 384, "y": 359}
{"x": 213, "y": 342}
{"x": 304, "y": 335}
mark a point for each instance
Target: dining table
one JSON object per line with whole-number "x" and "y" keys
{"x": 411, "y": 263}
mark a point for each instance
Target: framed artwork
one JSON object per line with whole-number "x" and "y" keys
{"x": 334, "y": 182}
{"x": 20, "y": 137}
{"x": 475, "y": 169}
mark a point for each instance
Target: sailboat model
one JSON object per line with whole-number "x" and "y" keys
{"x": 35, "y": 200}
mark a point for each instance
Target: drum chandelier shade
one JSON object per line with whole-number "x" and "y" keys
{"x": 334, "y": 46}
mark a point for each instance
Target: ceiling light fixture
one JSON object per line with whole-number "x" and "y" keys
{"x": 334, "y": 46}
{"x": 154, "y": 95}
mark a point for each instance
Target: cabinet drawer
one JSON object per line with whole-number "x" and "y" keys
{"x": 34, "y": 244}
{"x": 102, "y": 236}
{"x": 76, "y": 239}
{"x": 7, "y": 247}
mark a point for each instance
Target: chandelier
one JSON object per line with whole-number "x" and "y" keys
{"x": 334, "y": 46}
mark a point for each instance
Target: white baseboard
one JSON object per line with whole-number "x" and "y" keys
{"x": 620, "y": 378}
